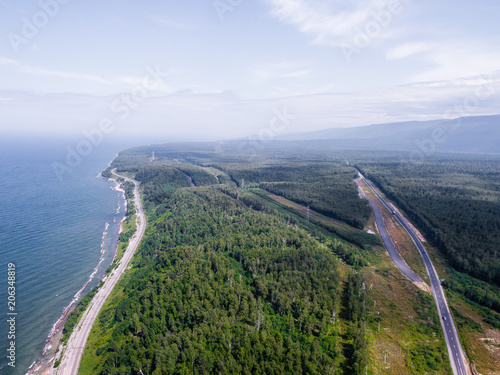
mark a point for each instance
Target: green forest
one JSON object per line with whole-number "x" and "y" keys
{"x": 229, "y": 281}
{"x": 326, "y": 187}
{"x": 221, "y": 288}
{"x": 456, "y": 202}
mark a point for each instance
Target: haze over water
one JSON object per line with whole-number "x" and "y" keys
{"x": 52, "y": 231}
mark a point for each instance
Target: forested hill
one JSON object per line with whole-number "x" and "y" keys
{"x": 220, "y": 287}
{"x": 466, "y": 134}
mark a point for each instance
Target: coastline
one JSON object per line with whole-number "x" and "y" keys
{"x": 53, "y": 346}
{"x": 70, "y": 360}
{"x": 118, "y": 188}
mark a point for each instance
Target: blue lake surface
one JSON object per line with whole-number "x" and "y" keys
{"x": 52, "y": 230}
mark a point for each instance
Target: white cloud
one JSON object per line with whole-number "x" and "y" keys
{"x": 171, "y": 23}
{"x": 225, "y": 115}
{"x": 329, "y": 22}
{"x": 451, "y": 61}
{"x": 130, "y": 80}
{"x": 283, "y": 70}
{"x": 56, "y": 73}
{"x": 406, "y": 50}
{"x": 6, "y": 61}
{"x": 34, "y": 70}
{"x": 296, "y": 74}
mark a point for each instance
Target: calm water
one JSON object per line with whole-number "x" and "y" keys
{"x": 52, "y": 231}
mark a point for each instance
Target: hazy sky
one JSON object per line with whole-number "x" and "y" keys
{"x": 224, "y": 68}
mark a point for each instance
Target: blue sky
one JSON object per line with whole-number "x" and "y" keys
{"x": 227, "y": 65}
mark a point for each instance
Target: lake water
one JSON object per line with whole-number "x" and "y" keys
{"x": 52, "y": 230}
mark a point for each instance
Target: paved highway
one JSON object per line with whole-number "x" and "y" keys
{"x": 450, "y": 332}
{"x": 389, "y": 245}
{"x": 73, "y": 353}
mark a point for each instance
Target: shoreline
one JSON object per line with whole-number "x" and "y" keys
{"x": 51, "y": 351}
{"x": 73, "y": 351}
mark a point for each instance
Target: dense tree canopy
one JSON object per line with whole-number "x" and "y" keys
{"x": 222, "y": 288}
{"x": 457, "y": 203}
{"x": 326, "y": 187}
{"x": 226, "y": 282}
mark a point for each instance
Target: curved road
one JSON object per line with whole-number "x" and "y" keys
{"x": 450, "y": 332}
{"x": 389, "y": 245}
{"x": 73, "y": 353}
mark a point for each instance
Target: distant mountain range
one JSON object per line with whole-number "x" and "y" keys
{"x": 466, "y": 134}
